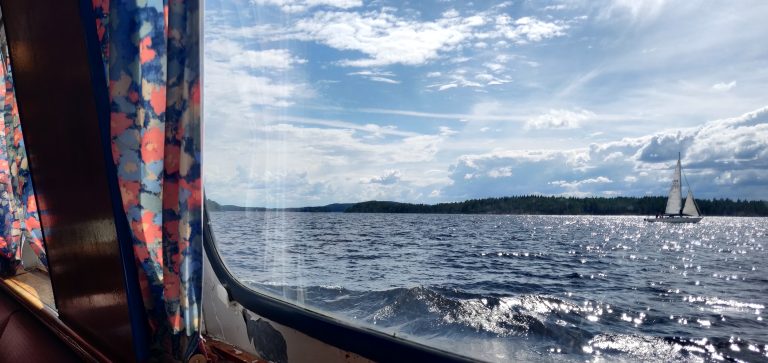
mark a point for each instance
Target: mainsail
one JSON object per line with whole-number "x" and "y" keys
{"x": 675, "y": 195}
{"x": 690, "y": 206}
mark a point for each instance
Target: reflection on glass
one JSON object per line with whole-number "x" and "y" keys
{"x": 570, "y": 115}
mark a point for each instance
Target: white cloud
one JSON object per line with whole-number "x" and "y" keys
{"x": 528, "y": 29}
{"x": 250, "y": 90}
{"x": 489, "y": 111}
{"x": 577, "y": 183}
{"x": 447, "y": 131}
{"x": 389, "y": 177}
{"x": 255, "y": 72}
{"x": 384, "y": 37}
{"x": 723, "y": 87}
{"x": 279, "y": 59}
{"x": 636, "y": 10}
{"x": 485, "y": 77}
{"x": 731, "y": 152}
{"x": 452, "y": 13}
{"x": 559, "y": 119}
{"x": 387, "y": 39}
{"x": 294, "y": 6}
{"x": 494, "y": 66}
{"x": 231, "y": 54}
{"x": 384, "y": 80}
{"x": 373, "y": 130}
{"x": 555, "y": 7}
{"x": 502, "y": 172}
{"x": 672, "y": 86}
{"x": 377, "y": 76}
{"x": 316, "y": 162}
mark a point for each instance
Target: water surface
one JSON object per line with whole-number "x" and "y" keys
{"x": 500, "y": 288}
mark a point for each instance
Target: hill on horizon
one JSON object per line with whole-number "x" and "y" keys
{"x": 531, "y": 204}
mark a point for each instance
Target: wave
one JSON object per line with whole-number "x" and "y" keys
{"x": 550, "y": 324}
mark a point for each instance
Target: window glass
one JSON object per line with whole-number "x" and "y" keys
{"x": 505, "y": 180}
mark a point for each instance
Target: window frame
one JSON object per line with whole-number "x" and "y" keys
{"x": 369, "y": 343}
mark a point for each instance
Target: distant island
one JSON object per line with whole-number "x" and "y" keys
{"x": 528, "y": 205}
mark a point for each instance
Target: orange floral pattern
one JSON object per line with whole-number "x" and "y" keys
{"x": 18, "y": 210}
{"x": 151, "y": 55}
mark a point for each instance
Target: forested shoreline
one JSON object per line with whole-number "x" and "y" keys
{"x": 531, "y": 204}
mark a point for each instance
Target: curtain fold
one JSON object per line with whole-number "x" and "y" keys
{"x": 18, "y": 207}
{"x": 151, "y": 56}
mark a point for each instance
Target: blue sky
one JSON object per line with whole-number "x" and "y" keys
{"x": 309, "y": 102}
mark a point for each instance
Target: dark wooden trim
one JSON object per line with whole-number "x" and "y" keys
{"x": 50, "y": 319}
{"x": 230, "y": 353}
{"x": 58, "y": 113}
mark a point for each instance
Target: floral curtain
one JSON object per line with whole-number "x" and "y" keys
{"x": 151, "y": 53}
{"x": 18, "y": 208}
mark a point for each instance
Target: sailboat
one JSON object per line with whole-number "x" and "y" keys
{"x": 676, "y": 212}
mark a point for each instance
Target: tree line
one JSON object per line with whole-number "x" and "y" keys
{"x": 531, "y": 204}
{"x": 535, "y": 204}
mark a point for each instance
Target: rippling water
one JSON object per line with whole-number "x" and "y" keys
{"x": 499, "y": 288}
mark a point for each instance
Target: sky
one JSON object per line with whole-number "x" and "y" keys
{"x": 311, "y": 102}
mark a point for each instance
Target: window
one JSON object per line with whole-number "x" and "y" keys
{"x": 502, "y": 180}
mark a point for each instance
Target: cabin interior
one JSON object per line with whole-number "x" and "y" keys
{"x": 73, "y": 272}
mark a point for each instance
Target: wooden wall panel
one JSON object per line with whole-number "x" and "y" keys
{"x": 59, "y": 119}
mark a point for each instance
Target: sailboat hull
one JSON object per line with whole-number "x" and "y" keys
{"x": 675, "y": 219}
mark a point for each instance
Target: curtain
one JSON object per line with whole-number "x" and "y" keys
{"x": 151, "y": 55}
{"x": 18, "y": 208}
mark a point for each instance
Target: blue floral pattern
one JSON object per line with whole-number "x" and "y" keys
{"x": 151, "y": 54}
{"x": 18, "y": 206}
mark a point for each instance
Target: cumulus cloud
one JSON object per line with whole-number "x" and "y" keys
{"x": 500, "y": 172}
{"x": 577, "y": 183}
{"x": 730, "y": 152}
{"x": 257, "y": 68}
{"x": 723, "y": 87}
{"x": 389, "y": 177}
{"x": 559, "y": 119}
{"x": 305, "y": 161}
{"x": 386, "y": 38}
{"x": 527, "y": 29}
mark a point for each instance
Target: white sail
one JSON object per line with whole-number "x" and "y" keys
{"x": 690, "y": 207}
{"x": 675, "y": 195}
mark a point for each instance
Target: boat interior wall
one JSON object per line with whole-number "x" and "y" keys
{"x": 227, "y": 320}
{"x": 25, "y": 339}
{"x": 58, "y": 112}
{"x": 30, "y": 260}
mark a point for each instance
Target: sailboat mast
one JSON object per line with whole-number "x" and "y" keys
{"x": 674, "y": 200}
{"x": 680, "y": 178}
{"x": 694, "y": 208}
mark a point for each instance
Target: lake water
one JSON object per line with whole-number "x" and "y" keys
{"x": 511, "y": 288}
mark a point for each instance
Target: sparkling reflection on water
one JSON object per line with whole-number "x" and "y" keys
{"x": 562, "y": 288}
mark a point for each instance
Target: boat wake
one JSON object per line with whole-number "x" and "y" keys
{"x": 556, "y": 328}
